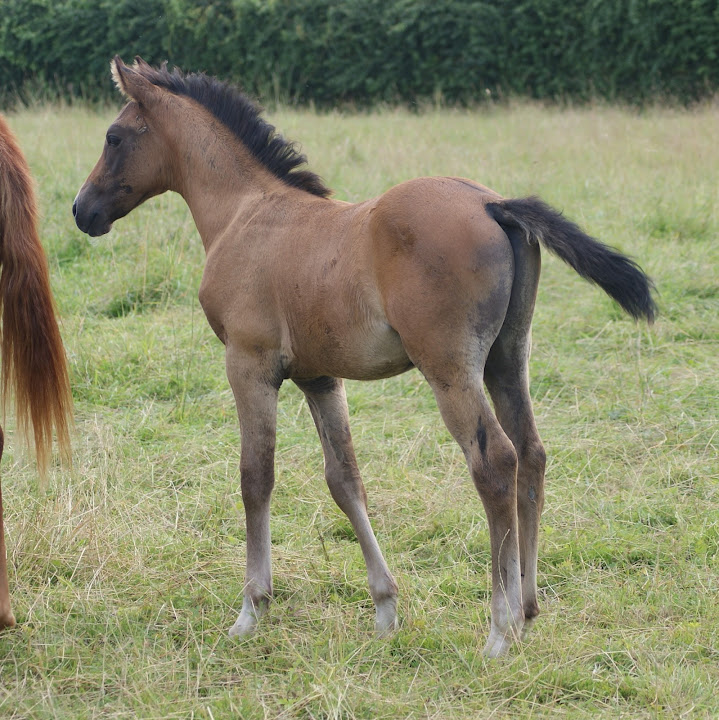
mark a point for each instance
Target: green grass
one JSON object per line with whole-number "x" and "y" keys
{"x": 127, "y": 569}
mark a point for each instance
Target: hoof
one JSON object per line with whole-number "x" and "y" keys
{"x": 386, "y": 631}
{"x": 246, "y": 623}
{"x": 500, "y": 641}
{"x": 7, "y": 620}
{"x": 527, "y": 627}
{"x": 244, "y": 626}
{"x": 496, "y": 647}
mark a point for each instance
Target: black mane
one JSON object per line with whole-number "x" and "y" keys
{"x": 241, "y": 115}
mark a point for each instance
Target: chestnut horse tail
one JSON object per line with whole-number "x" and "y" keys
{"x": 32, "y": 356}
{"x": 620, "y": 277}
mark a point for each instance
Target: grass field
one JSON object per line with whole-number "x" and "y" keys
{"x": 126, "y": 570}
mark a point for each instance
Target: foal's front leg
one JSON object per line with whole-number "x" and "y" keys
{"x": 256, "y": 400}
{"x": 328, "y": 404}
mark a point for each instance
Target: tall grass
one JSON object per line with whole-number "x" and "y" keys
{"x": 126, "y": 570}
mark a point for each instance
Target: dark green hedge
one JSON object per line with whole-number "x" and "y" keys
{"x": 368, "y": 51}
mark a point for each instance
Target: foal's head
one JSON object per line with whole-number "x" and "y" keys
{"x": 143, "y": 152}
{"x": 134, "y": 164}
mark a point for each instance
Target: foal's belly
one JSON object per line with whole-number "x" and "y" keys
{"x": 369, "y": 353}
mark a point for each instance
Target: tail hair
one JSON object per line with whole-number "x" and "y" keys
{"x": 619, "y": 276}
{"x": 32, "y": 357}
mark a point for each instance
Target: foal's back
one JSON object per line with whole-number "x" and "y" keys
{"x": 342, "y": 289}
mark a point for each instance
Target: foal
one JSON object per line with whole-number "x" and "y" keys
{"x": 33, "y": 357}
{"x": 439, "y": 274}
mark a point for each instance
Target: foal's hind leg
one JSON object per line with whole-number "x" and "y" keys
{"x": 492, "y": 462}
{"x": 448, "y": 302}
{"x": 507, "y": 380}
{"x": 328, "y": 404}
{"x": 506, "y": 374}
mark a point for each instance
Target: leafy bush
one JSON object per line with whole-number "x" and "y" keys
{"x": 369, "y": 51}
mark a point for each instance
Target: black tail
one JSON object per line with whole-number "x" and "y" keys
{"x": 621, "y": 278}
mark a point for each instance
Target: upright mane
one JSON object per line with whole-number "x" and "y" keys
{"x": 244, "y": 118}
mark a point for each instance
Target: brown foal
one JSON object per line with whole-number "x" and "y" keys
{"x": 33, "y": 357}
{"x": 439, "y": 274}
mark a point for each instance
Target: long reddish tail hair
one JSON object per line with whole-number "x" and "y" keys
{"x": 33, "y": 367}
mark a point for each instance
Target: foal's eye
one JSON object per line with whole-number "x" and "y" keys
{"x": 113, "y": 140}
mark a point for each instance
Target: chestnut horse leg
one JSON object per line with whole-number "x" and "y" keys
{"x": 6, "y": 617}
{"x": 328, "y": 403}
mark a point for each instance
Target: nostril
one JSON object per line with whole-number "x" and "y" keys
{"x": 74, "y": 209}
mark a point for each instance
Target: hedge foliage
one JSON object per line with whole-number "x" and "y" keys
{"x": 369, "y": 51}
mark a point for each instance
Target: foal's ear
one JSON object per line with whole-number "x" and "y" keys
{"x": 140, "y": 63}
{"x": 131, "y": 83}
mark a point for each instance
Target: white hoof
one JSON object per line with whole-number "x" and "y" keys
{"x": 500, "y": 641}
{"x": 497, "y": 646}
{"x": 244, "y": 626}
{"x": 246, "y": 623}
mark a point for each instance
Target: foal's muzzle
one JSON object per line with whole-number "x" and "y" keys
{"x": 89, "y": 215}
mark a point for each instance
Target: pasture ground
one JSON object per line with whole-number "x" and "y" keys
{"x": 126, "y": 570}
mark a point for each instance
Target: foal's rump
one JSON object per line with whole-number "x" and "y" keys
{"x": 444, "y": 269}
{"x": 454, "y": 261}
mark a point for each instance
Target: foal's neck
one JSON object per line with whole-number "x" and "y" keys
{"x": 219, "y": 178}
